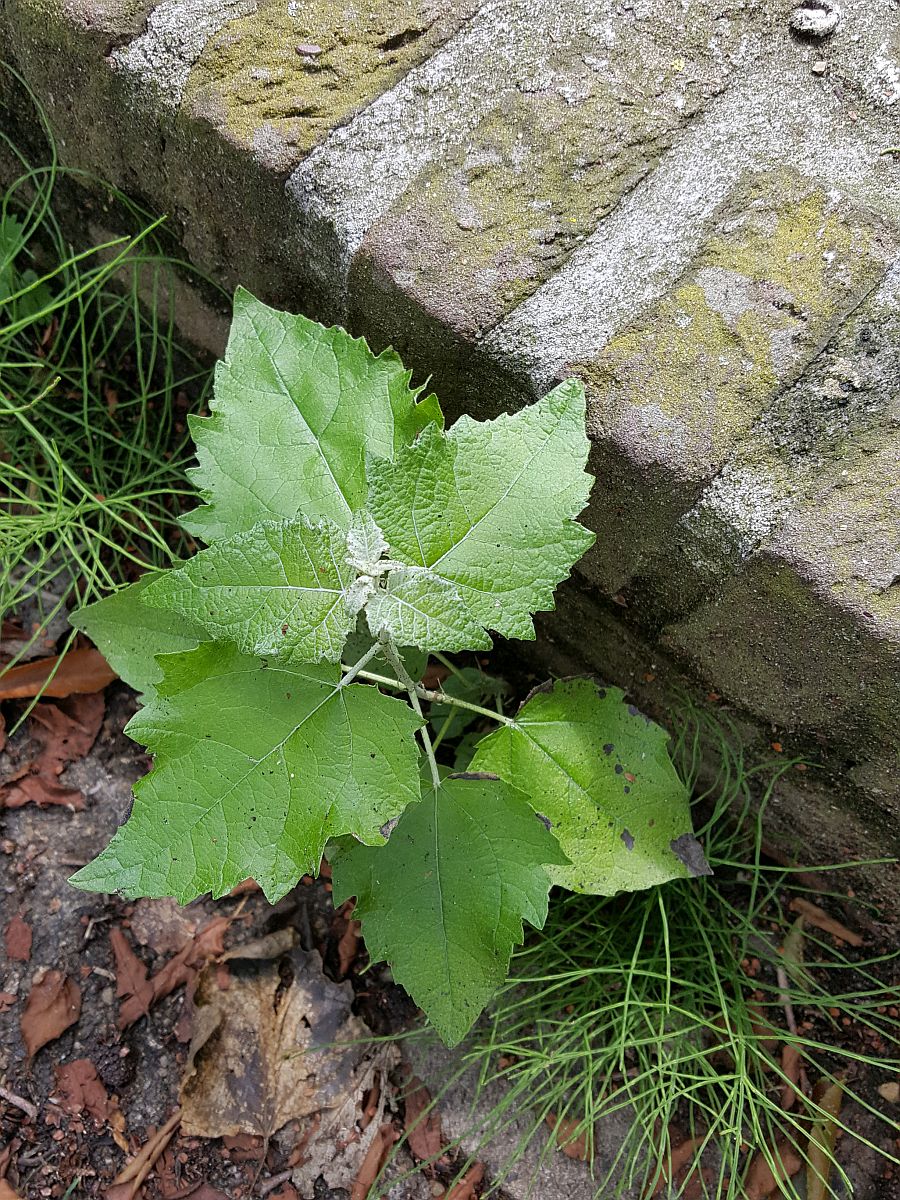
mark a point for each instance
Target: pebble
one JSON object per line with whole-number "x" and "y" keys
{"x": 816, "y": 18}
{"x": 819, "y": 67}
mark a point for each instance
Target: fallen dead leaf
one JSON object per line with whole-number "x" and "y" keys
{"x": 17, "y": 939}
{"x": 140, "y": 994}
{"x": 423, "y": 1121}
{"x": 374, "y": 1161}
{"x": 133, "y": 989}
{"x": 79, "y": 1089}
{"x": 253, "y": 1063}
{"x": 790, "y": 1065}
{"x": 7, "y": 1191}
{"x": 673, "y": 1161}
{"x": 762, "y": 1180}
{"x": 78, "y": 671}
{"x": 65, "y": 735}
{"x": 130, "y": 1179}
{"x": 829, "y": 1096}
{"x": 792, "y": 954}
{"x": 7, "y": 1000}
{"x": 163, "y": 925}
{"x": 820, "y": 918}
{"x": 206, "y": 944}
{"x": 206, "y": 1192}
{"x": 570, "y": 1136}
{"x": 54, "y": 1003}
{"x": 890, "y": 1092}
{"x": 347, "y": 947}
{"x": 465, "y": 1189}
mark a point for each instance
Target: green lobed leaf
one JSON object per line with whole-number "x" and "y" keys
{"x": 279, "y": 589}
{"x": 129, "y": 634}
{"x": 418, "y": 608}
{"x": 297, "y": 407}
{"x": 601, "y": 773}
{"x": 257, "y": 766}
{"x": 490, "y": 506}
{"x": 443, "y": 902}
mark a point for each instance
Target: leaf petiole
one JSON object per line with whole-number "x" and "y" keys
{"x": 429, "y": 694}
{"x": 357, "y": 668}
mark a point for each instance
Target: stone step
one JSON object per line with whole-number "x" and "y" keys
{"x": 685, "y": 204}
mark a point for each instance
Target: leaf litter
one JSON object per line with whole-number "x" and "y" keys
{"x": 63, "y": 733}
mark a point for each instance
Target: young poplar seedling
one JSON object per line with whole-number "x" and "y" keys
{"x": 335, "y": 504}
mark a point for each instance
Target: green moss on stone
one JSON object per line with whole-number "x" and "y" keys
{"x": 790, "y": 235}
{"x": 297, "y": 71}
{"x": 551, "y": 158}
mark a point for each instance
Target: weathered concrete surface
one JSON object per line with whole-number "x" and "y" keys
{"x": 686, "y": 204}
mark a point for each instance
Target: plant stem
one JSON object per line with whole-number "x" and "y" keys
{"x": 432, "y": 696}
{"x": 393, "y": 657}
{"x": 357, "y": 668}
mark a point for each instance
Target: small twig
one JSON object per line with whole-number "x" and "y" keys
{"x": 271, "y": 1184}
{"x": 19, "y": 1102}
{"x": 784, "y": 999}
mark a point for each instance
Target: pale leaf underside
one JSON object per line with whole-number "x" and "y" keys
{"x": 297, "y": 408}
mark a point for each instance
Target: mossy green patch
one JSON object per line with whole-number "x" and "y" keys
{"x": 707, "y": 375}
{"x": 790, "y": 234}
{"x": 550, "y": 159}
{"x": 295, "y": 71}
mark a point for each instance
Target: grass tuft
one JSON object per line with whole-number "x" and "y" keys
{"x": 94, "y": 388}
{"x": 661, "y": 1015}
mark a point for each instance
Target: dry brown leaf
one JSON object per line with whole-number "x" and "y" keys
{"x": 465, "y": 1189}
{"x": 54, "y": 1003}
{"x": 79, "y": 1089}
{"x": 129, "y": 1181}
{"x": 423, "y": 1121}
{"x": 65, "y": 734}
{"x": 7, "y": 1191}
{"x": 207, "y": 943}
{"x": 792, "y": 954}
{"x": 820, "y": 918}
{"x": 568, "y": 1138}
{"x": 675, "y": 1160}
{"x": 762, "y": 1027}
{"x": 78, "y": 671}
{"x": 829, "y": 1096}
{"x": 163, "y": 925}
{"x": 133, "y": 989}
{"x": 17, "y": 939}
{"x": 251, "y": 1066}
{"x": 762, "y": 1181}
{"x": 375, "y": 1159}
{"x": 347, "y": 947}
{"x": 790, "y": 1065}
